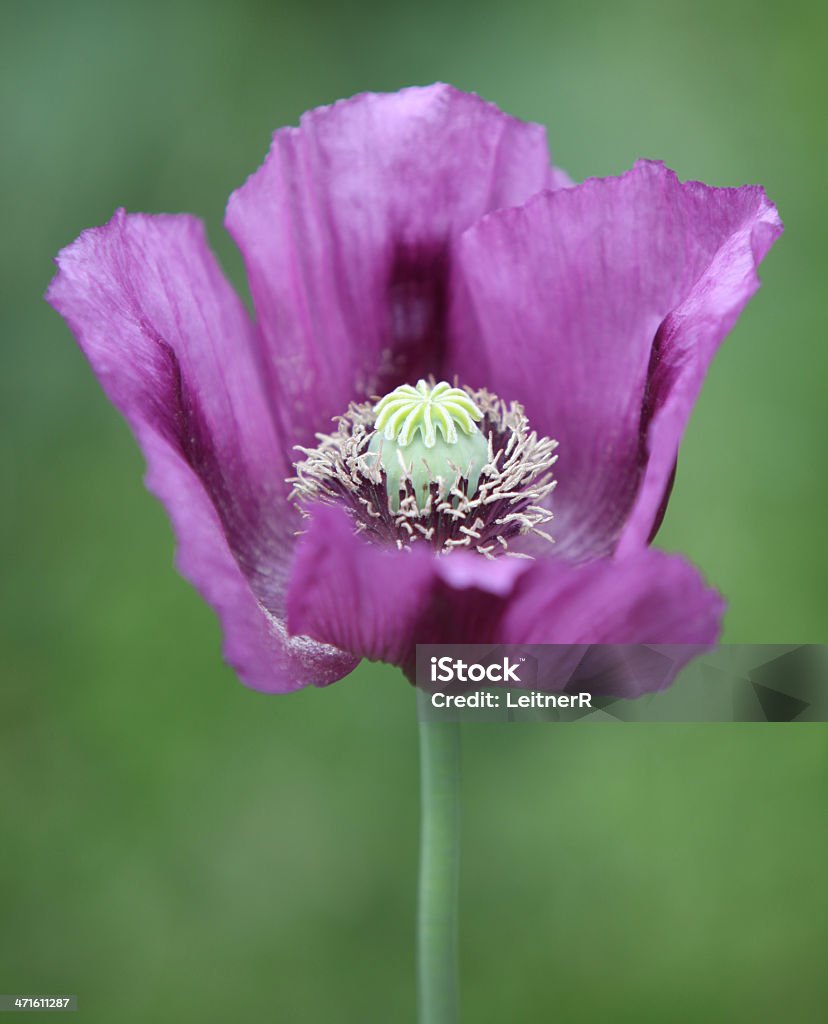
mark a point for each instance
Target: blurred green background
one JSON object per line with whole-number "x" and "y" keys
{"x": 174, "y": 847}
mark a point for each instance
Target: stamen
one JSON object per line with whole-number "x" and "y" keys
{"x": 401, "y": 490}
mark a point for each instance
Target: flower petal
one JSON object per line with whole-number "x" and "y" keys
{"x": 347, "y": 232}
{"x": 599, "y": 307}
{"x": 355, "y": 595}
{"x": 174, "y": 351}
{"x": 378, "y": 603}
{"x": 684, "y": 347}
{"x": 647, "y": 598}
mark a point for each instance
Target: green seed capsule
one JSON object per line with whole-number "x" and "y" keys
{"x": 428, "y": 435}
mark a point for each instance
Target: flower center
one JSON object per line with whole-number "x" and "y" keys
{"x": 434, "y": 463}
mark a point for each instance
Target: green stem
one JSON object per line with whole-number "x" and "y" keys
{"x": 439, "y": 869}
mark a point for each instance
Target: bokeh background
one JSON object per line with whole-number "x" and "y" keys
{"x": 174, "y": 847}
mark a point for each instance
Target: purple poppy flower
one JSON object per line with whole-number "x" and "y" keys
{"x": 421, "y": 237}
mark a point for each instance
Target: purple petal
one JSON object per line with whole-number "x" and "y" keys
{"x": 175, "y": 351}
{"x": 647, "y": 598}
{"x": 347, "y": 233}
{"x": 464, "y": 571}
{"x": 684, "y": 346}
{"x": 599, "y": 307}
{"x": 355, "y": 595}
{"x": 379, "y": 603}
